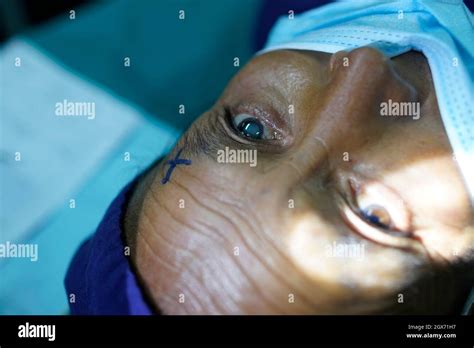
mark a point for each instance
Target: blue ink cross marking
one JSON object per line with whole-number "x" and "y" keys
{"x": 173, "y": 163}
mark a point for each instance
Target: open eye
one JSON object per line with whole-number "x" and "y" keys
{"x": 377, "y": 213}
{"x": 251, "y": 127}
{"x": 381, "y": 207}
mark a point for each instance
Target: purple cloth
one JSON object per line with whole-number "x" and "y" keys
{"x": 100, "y": 276}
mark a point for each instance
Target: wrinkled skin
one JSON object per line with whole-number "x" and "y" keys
{"x": 286, "y": 214}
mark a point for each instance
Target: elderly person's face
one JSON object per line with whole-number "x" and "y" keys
{"x": 346, "y": 211}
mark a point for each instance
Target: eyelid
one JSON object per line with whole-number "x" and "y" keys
{"x": 385, "y": 197}
{"x": 265, "y": 114}
{"x": 269, "y": 117}
{"x": 268, "y": 133}
{"x": 230, "y": 131}
{"x": 348, "y": 187}
{"x": 368, "y": 231}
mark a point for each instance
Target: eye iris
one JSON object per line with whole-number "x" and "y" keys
{"x": 377, "y": 216}
{"x": 252, "y": 128}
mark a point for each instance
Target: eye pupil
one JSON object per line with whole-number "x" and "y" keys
{"x": 251, "y": 127}
{"x": 372, "y": 219}
{"x": 377, "y": 215}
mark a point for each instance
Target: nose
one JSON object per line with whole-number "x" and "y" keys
{"x": 362, "y": 79}
{"x": 347, "y": 113}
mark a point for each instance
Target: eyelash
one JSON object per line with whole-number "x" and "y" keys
{"x": 387, "y": 236}
{"x": 277, "y": 137}
{"x": 392, "y": 231}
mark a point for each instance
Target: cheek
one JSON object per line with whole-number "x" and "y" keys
{"x": 435, "y": 191}
{"x": 327, "y": 260}
{"x": 207, "y": 257}
{"x": 440, "y": 205}
{"x": 449, "y": 244}
{"x": 344, "y": 266}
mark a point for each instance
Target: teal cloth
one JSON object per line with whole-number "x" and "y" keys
{"x": 173, "y": 62}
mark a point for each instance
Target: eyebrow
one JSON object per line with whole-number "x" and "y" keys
{"x": 207, "y": 136}
{"x": 199, "y": 140}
